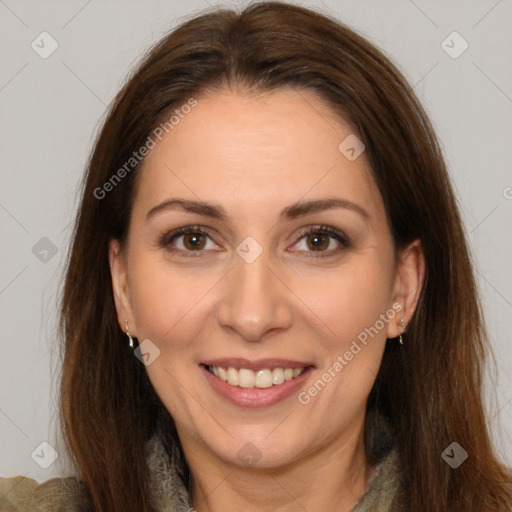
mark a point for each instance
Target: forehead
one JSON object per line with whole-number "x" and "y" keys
{"x": 257, "y": 152}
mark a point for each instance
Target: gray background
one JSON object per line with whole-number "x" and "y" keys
{"x": 51, "y": 108}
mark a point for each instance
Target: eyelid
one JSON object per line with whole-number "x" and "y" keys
{"x": 167, "y": 236}
{"x": 329, "y": 230}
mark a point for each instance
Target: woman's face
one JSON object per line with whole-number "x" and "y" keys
{"x": 266, "y": 278}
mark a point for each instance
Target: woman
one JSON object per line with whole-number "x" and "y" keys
{"x": 269, "y": 302}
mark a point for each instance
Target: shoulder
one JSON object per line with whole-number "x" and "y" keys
{"x": 22, "y": 494}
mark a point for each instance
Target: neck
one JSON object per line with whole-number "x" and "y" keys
{"x": 331, "y": 479}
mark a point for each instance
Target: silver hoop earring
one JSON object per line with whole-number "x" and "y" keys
{"x": 128, "y": 334}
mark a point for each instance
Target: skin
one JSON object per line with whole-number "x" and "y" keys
{"x": 255, "y": 156}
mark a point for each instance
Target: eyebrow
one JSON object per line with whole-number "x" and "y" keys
{"x": 294, "y": 211}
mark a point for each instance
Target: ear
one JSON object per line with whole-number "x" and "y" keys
{"x": 120, "y": 287}
{"x": 407, "y": 288}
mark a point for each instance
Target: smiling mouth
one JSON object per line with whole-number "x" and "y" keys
{"x": 262, "y": 378}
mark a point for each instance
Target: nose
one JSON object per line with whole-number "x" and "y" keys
{"x": 255, "y": 301}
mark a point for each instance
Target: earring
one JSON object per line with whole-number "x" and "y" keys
{"x": 128, "y": 334}
{"x": 401, "y": 323}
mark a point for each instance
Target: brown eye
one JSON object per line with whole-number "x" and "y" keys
{"x": 322, "y": 241}
{"x": 194, "y": 241}
{"x": 188, "y": 240}
{"x": 318, "y": 241}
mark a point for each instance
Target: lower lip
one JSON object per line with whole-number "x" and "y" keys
{"x": 256, "y": 397}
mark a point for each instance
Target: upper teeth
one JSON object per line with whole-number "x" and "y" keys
{"x": 264, "y": 378}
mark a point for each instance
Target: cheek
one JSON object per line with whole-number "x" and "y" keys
{"x": 166, "y": 300}
{"x": 350, "y": 299}
{"x": 350, "y": 305}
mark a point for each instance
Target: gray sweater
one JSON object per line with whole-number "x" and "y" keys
{"x": 168, "y": 491}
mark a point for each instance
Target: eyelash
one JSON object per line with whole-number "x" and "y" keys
{"x": 167, "y": 238}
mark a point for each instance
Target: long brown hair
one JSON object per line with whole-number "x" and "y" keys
{"x": 430, "y": 392}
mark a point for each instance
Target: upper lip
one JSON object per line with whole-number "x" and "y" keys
{"x": 259, "y": 364}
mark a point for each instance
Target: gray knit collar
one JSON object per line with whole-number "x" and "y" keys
{"x": 169, "y": 491}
